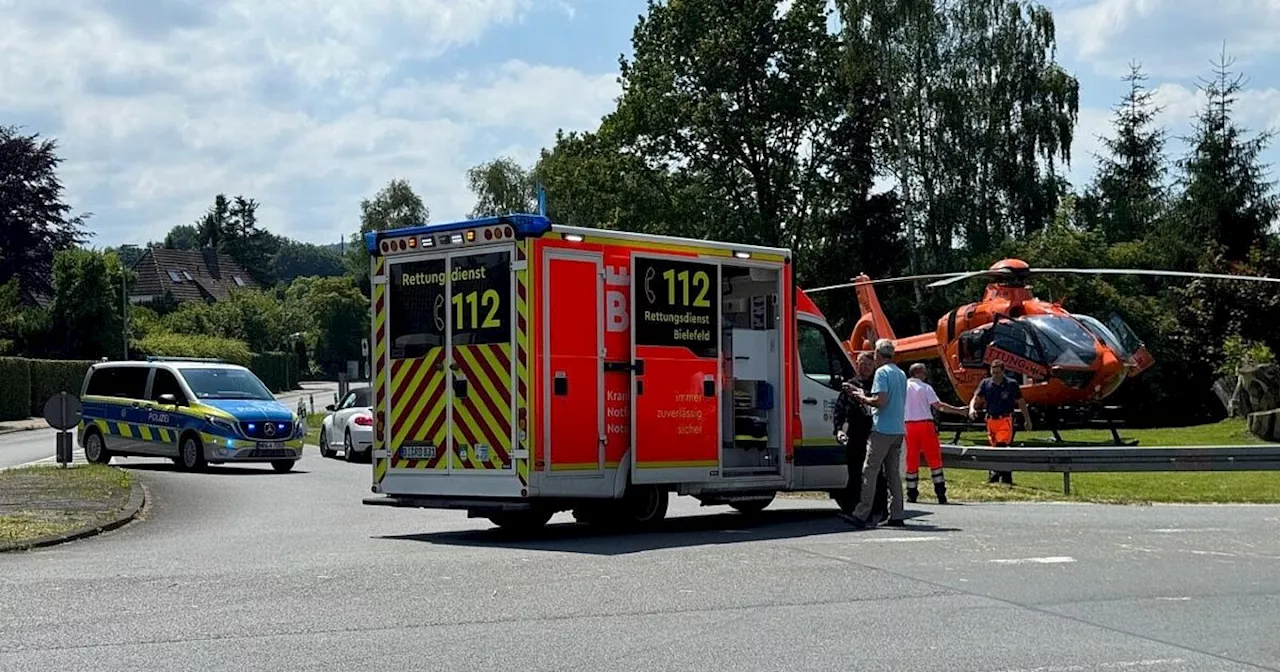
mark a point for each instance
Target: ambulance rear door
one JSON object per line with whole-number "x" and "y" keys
{"x": 675, "y": 346}
{"x": 451, "y": 327}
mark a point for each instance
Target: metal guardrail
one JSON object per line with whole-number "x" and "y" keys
{"x": 1066, "y": 461}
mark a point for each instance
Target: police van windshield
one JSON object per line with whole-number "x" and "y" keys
{"x": 214, "y": 383}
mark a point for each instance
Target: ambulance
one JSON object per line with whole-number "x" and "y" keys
{"x": 521, "y": 369}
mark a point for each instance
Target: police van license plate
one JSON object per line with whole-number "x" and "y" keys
{"x": 271, "y": 445}
{"x": 418, "y": 452}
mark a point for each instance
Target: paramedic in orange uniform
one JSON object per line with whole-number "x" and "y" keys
{"x": 922, "y": 433}
{"x": 1000, "y": 395}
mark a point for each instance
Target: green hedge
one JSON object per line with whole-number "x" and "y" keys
{"x": 186, "y": 345}
{"x": 15, "y": 391}
{"x": 51, "y": 376}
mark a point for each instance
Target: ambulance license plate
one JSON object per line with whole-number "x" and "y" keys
{"x": 271, "y": 445}
{"x": 418, "y": 452}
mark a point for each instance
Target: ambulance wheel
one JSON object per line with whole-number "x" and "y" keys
{"x": 752, "y": 506}
{"x": 95, "y": 448}
{"x": 644, "y": 505}
{"x": 191, "y": 454}
{"x": 520, "y": 521}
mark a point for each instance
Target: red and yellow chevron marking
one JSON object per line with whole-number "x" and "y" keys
{"x": 525, "y": 428}
{"x": 418, "y": 412}
{"x": 379, "y": 353}
{"x": 483, "y": 416}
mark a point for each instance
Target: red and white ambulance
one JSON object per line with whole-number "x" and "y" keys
{"x": 522, "y": 369}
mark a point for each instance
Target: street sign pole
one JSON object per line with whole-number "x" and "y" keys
{"x": 62, "y": 411}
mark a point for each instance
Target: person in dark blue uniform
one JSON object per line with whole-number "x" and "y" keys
{"x": 858, "y": 417}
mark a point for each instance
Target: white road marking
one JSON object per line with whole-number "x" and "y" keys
{"x": 895, "y": 539}
{"x": 1117, "y": 665}
{"x": 1174, "y": 599}
{"x": 1218, "y": 553}
{"x": 1179, "y": 530}
{"x": 1050, "y": 560}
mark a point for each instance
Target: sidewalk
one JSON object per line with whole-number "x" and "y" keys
{"x": 30, "y": 424}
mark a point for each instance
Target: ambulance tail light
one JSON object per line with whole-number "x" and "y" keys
{"x": 380, "y": 424}
{"x": 573, "y": 237}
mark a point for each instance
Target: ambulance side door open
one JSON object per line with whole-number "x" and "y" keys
{"x": 675, "y": 346}
{"x": 820, "y": 459}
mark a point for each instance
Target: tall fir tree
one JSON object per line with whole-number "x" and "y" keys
{"x": 1128, "y": 195}
{"x": 1228, "y": 204}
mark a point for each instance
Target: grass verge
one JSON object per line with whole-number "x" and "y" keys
{"x": 1243, "y": 487}
{"x": 45, "y": 500}
{"x": 314, "y": 421}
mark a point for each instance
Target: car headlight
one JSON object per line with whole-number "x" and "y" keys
{"x": 222, "y": 423}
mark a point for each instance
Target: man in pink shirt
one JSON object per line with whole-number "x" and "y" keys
{"x": 922, "y": 433}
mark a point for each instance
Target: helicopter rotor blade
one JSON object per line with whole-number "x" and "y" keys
{"x": 1144, "y": 271}
{"x": 957, "y": 277}
{"x": 881, "y": 281}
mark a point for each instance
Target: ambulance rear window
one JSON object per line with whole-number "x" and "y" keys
{"x": 416, "y": 305}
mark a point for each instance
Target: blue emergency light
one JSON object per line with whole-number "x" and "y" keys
{"x": 524, "y": 225}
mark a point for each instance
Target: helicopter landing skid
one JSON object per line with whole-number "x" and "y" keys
{"x": 1056, "y": 420}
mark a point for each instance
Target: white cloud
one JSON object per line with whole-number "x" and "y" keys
{"x": 1255, "y": 110}
{"x": 306, "y": 105}
{"x": 1172, "y": 38}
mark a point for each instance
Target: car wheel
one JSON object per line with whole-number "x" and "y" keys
{"x": 348, "y": 447}
{"x": 325, "y": 450}
{"x": 95, "y": 448}
{"x": 283, "y": 466}
{"x": 191, "y": 456}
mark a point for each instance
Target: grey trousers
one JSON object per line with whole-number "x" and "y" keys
{"x": 882, "y": 449}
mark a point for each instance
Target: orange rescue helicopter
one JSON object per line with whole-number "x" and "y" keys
{"x": 1060, "y": 358}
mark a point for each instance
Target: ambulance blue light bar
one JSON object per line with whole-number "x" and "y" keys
{"x": 449, "y": 234}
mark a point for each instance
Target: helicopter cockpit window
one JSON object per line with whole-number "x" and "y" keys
{"x": 1065, "y": 341}
{"x": 1015, "y": 338}
{"x": 1104, "y": 334}
{"x": 821, "y": 357}
{"x": 1127, "y": 337}
{"x": 973, "y": 347}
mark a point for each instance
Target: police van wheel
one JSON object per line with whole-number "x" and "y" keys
{"x": 95, "y": 448}
{"x": 283, "y": 466}
{"x": 191, "y": 455}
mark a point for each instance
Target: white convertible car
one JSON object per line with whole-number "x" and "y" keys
{"x": 351, "y": 422}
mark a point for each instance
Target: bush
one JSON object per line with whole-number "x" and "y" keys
{"x": 15, "y": 393}
{"x": 51, "y": 376}
{"x": 166, "y": 344}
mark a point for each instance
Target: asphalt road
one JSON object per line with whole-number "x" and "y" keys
{"x": 26, "y": 447}
{"x": 245, "y": 569}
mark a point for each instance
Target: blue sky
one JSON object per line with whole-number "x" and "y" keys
{"x": 310, "y": 105}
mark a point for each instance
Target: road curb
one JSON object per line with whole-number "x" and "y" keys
{"x": 15, "y": 430}
{"x": 137, "y": 500}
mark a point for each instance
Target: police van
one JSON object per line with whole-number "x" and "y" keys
{"x": 193, "y": 411}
